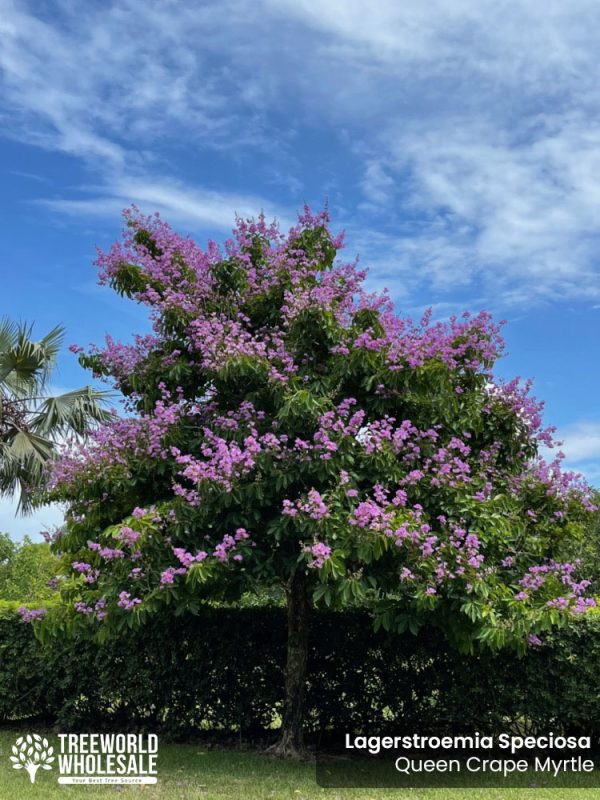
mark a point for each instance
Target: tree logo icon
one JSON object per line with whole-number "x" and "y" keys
{"x": 32, "y": 752}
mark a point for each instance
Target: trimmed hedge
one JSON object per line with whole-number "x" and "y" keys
{"x": 223, "y": 670}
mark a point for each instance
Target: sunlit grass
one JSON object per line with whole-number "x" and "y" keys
{"x": 190, "y": 771}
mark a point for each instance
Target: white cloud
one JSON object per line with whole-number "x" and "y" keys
{"x": 510, "y": 210}
{"x": 487, "y": 119}
{"x": 108, "y": 82}
{"x": 377, "y": 185}
{"x": 47, "y": 80}
{"x": 176, "y": 202}
{"x": 581, "y": 442}
{"x": 474, "y": 124}
{"x": 528, "y": 44}
{"x": 581, "y": 447}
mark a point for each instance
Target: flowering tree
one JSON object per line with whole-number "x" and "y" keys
{"x": 286, "y": 428}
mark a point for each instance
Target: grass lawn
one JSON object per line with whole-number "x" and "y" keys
{"x": 188, "y": 771}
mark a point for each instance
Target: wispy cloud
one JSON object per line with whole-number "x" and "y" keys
{"x": 28, "y": 175}
{"x": 469, "y": 131}
{"x": 200, "y": 209}
{"x": 377, "y": 184}
{"x": 511, "y": 209}
{"x": 486, "y": 119}
{"x": 581, "y": 442}
{"x": 581, "y": 447}
{"x": 113, "y": 82}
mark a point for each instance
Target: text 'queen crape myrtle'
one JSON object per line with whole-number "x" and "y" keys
{"x": 286, "y": 428}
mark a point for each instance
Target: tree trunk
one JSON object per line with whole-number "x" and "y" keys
{"x": 291, "y": 742}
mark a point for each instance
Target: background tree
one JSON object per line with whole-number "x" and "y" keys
{"x": 27, "y": 569}
{"x": 584, "y": 545}
{"x": 31, "y": 419}
{"x": 288, "y": 429}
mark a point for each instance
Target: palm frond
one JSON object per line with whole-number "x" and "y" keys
{"x": 71, "y": 412}
{"x": 22, "y": 467}
{"x": 27, "y": 445}
{"x": 26, "y": 364}
{"x": 31, "y": 422}
{"x": 8, "y": 334}
{"x": 50, "y": 345}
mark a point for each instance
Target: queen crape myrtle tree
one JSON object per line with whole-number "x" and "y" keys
{"x": 286, "y": 428}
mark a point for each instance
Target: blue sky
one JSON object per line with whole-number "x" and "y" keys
{"x": 456, "y": 141}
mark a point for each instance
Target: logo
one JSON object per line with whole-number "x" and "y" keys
{"x": 104, "y": 758}
{"x": 90, "y": 758}
{"x": 30, "y": 753}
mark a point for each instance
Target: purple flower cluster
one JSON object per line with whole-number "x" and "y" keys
{"x": 320, "y": 554}
{"x": 31, "y": 614}
{"x": 314, "y": 506}
{"x": 99, "y": 608}
{"x": 539, "y": 575}
{"x": 91, "y": 575}
{"x": 127, "y": 602}
{"x": 224, "y": 551}
{"x": 128, "y": 536}
{"x": 229, "y": 544}
{"x": 187, "y": 559}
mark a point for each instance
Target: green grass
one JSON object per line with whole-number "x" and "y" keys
{"x": 188, "y": 771}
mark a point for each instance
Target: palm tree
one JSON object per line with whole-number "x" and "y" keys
{"x": 32, "y": 421}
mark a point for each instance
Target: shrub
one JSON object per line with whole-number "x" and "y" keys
{"x": 183, "y": 675}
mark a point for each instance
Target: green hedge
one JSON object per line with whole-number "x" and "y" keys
{"x": 223, "y": 670}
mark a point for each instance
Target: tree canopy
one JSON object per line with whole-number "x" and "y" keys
{"x": 285, "y": 427}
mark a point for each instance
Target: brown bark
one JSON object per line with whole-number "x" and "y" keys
{"x": 291, "y": 741}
